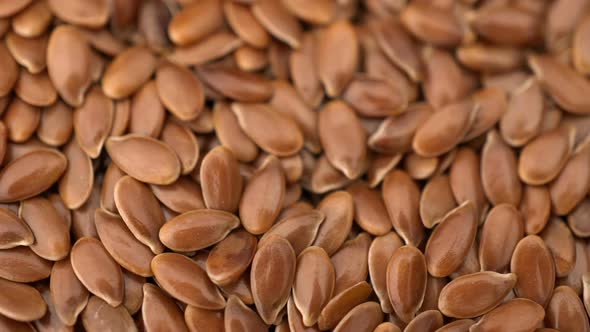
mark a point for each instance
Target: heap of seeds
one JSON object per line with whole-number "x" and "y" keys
{"x": 294, "y": 165}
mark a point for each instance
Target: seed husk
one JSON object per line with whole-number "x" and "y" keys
{"x": 342, "y": 303}
{"x": 307, "y": 82}
{"x": 535, "y": 208}
{"x": 235, "y": 84}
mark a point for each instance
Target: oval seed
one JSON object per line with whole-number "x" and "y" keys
{"x": 215, "y": 46}
{"x": 475, "y": 294}
{"x": 576, "y": 220}
{"x": 351, "y": 262}
{"x": 426, "y": 321}
{"x": 93, "y": 121}
{"x": 7, "y": 324}
{"x": 28, "y": 52}
{"x": 499, "y": 175}
{"x": 182, "y": 196}
{"x": 380, "y": 251}
{"x": 263, "y": 197}
{"x": 514, "y": 315}
{"x": 342, "y": 304}
{"x": 202, "y": 320}
{"x": 129, "y": 151}
{"x": 278, "y": 21}
{"x": 375, "y": 97}
{"x": 273, "y": 131}
{"x": 432, "y": 25}
{"x": 272, "y": 275}
{"x": 300, "y": 230}
{"x": 535, "y": 208}
{"x": 444, "y": 129}
{"x": 338, "y": 209}
{"x": 490, "y": 58}
{"x": 13, "y": 230}
{"x": 83, "y": 217}
{"x": 492, "y": 104}
{"x": 67, "y": 292}
{"x": 230, "y": 134}
{"x": 92, "y": 14}
{"x": 401, "y": 196}
{"x": 159, "y": 312}
{"x": 466, "y": 182}
{"x": 236, "y": 84}
{"x": 121, "y": 117}
{"x": 184, "y": 280}
{"x": 76, "y": 183}
{"x": 533, "y": 265}
{"x": 21, "y": 264}
{"x": 449, "y": 243}
{"x": 241, "y": 289}
{"x": 387, "y": 327}
{"x": 180, "y": 91}
{"x": 56, "y": 124}
{"x": 524, "y": 115}
{"x": 146, "y": 112}
{"x": 565, "y": 311}
{"x": 239, "y": 317}
{"x": 100, "y": 316}
{"x": 52, "y": 235}
{"x": 436, "y": 200}
{"x": 122, "y": 245}
{"x": 221, "y": 181}
{"x": 21, "y": 302}
{"x": 133, "y": 292}
{"x": 128, "y": 71}
{"x": 364, "y": 317}
{"x": 501, "y": 232}
{"x": 574, "y": 278}
{"x": 433, "y": 288}
{"x": 406, "y": 281}
{"x": 197, "y": 229}
{"x": 571, "y": 185}
{"x": 295, "y": 320}
{"x": 107, "y": 194}
{"x": 370, "y": 212}
{"x": 183, "y": 142}
{"x": 33, "y": 20}
{"x": 559, "y": 239}
{"x": 313, "y": 284}
{"x": 142, "y": 215}
{"x": 307, "y": 82}
{"x": 21, "y": 120}
{"x": 11, "y": 67}
{"x": 103, "y": 278}
{"x": 230, "y": 258}
{"x": 195, "y": 21}
{"x": 35, "y": 89}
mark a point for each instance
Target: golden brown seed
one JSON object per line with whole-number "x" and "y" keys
{"x": 13, "y": 230}
{"x": 380, "y": 166}
{"x": 249, "y": 58}
{"x": 103, "y": 278}
{"x": 562, "y": 18}
{"x": 184, "y": 280}
{"x": 580, "y": 56}
{"x": 69, "y": 63}
{"x": 307, "y": 82}
{"x": 180, "y": 91}
{"x": 315, "y": 12}
{"x": 501, "y": 232}
{"x": 436, "y": 200}
{"x": 278, "y": 21}
{"x": 51, "y": 231}
{"x": 197, "y": 229}
{"x": 445, "y": 82}
{"x": 335, "y": 73}
{"x": 449, "y": 243}
{"x": 56, "y": 124}
{"x": 490, "y": 58}
{"x": 351, "y": 262}
{"x": 13, "y": 7}
{"x": 574, "y": 278}
{"x": 320, "y": 176}
{"x": 338, "y": 209}
{"x": 475, "y": 294}
{"x": 221, "y": 181}
{"x": 21, "y": 120}
{"x": 387, "y": 327}
{"x": 235, "y": 84}
{"x": 93, "y": 122}
{"x": 380, "y": 251}
{"x": 401, "y": 196}
{"x": 466, "y": 182}
{"x": 184, "y": 143}
{"x": 142, "y": 215}
{"x": 21, "y": 302}
{"x": 406, "y": 281}
{"x": 230, "y": 258}
{"x": 77, "y": 181}
{"x": 342, "y": 303}
{"x": 374, "y": 97}
{"x": 533, "y": 265}
{"x": 146, "y": 112}
{"x": 107, "y": 199}
{"x": 202, "y": 320}
{"x": 239, "y": 317}
{"x": 429, "y": 320}
{"x": 443, "y": 130}
{"x": 100, "y": 316}
{"x": 300, "y": 229}
{"x": 565, "y": 311}
{"x": 433, "y": 288}
{"x": 461, "y": 325}
{"x": 263, "y": 197}
{"x": 128, "y": 72}
{"x": 364, "y": 317}
{"x": 230, "y": 134}
{"x": 559, "y": 239}
{"x": 499, "y": 175}
{"x": 514, "y": 315}
{"x": 195, "y": 21}
{"x": 505, "y": 24}
{"x": 576, "y": 220}
{"x": 240, "y": 288}
{"x": 28, "y": 52}
{"x": 92, "y": 14}
{"x": 83, "y": 217}
{"x": 295, "y": 320}
{"x": 370, "y": 212}
{"x": 272, "y": 275}
{"x": 8, "y": 324}
{"x": 535, "y": 208}
{"x": 21, "y": 264}
{"x": 399, "y": 47}
{"x": 35, "y": 89}
{"x": 313, "y": 284}
{"x": 571, "y": 185}
{"x": 431, "y": 24}
{"x": 181, "y": 196}
{"x": 419, "y": 167}
{"x": 104, "y": 41}
{"x": 343, "y": 138}
{"x": 11, "y": 70}
{"x": 131, "y": 150}
{"x": 524, "y": 115}
{"x": 244, "y": 24}
{"x": 133, "y": 292}
{"x": 121, "y": 117}
{"x": 565, "y": 86}
{"x": 121, "y": 244}
{"x": 68, "y": 294}
{"x": 492, "y": 103}
{"x": 217, "y": 45}
{"x": 159, "y": 312}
